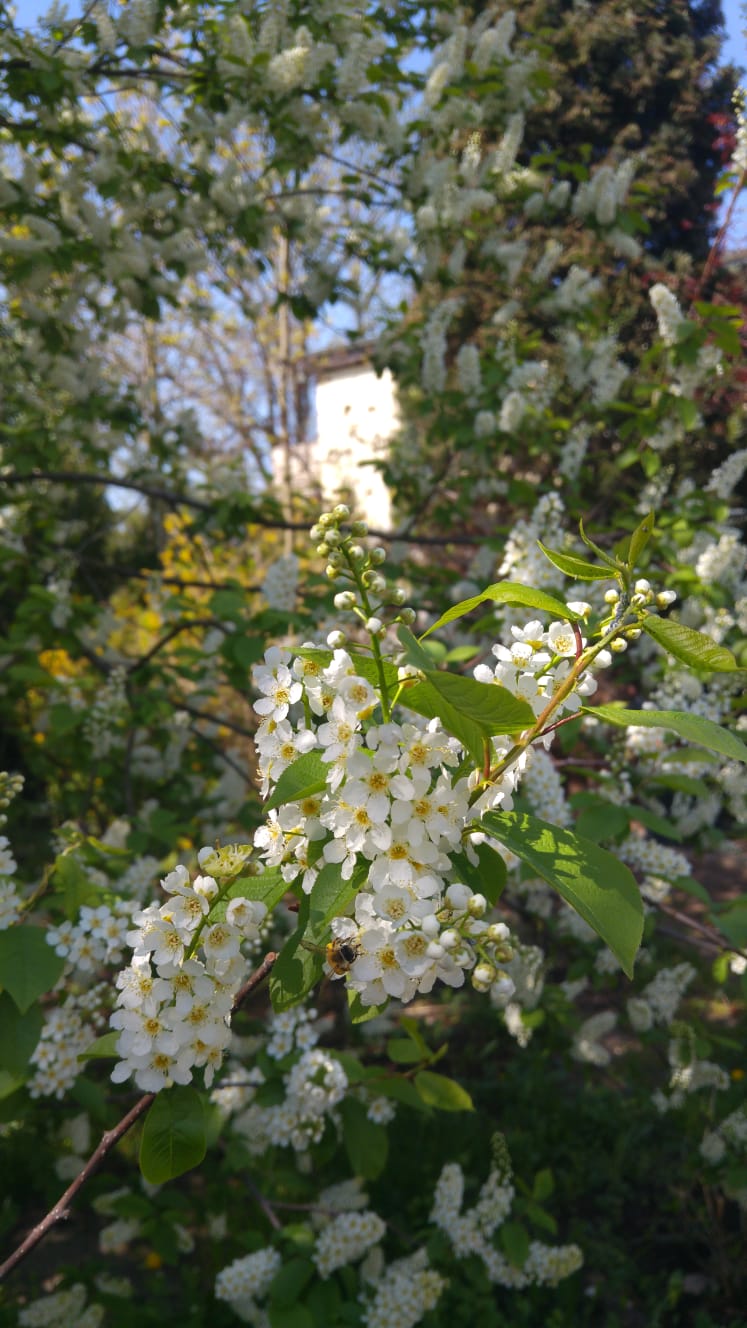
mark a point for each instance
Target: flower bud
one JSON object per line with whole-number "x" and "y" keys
{"x": 397, "y": 595}
{"x": 477, "y": 906}
{"x": 377, "y": 556}
{"x": 341, "y": 512}
{"x": 611, "y": 596}
{"x": 407, "y": 616}
{"x": 336, "y": 640}
{"x": 358, "y": 529}
{"x": 450, "y": 938}
{"x": 344, "y": 600}
{"x": 642, "y": 586}
{"x": 618, "y": 645}
{"x": 665, "y": 598}
{"x": 374, "y": 626}
{"x": 498, "y": 931}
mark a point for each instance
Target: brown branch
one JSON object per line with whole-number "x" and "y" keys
{"x": 200, "y": 505}
{"x": 59, "y": 1211}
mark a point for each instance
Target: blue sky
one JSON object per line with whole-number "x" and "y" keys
{"x": 735, "y": 48}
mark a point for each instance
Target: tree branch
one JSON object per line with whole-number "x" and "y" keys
{"x": 60, "y": 1210}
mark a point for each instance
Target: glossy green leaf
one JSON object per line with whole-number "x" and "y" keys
{"x": 360, "y": 1013}
{"x": 640, "y": 538}
{"x": 692, "y": 648}
{"x": 514, "y": 1239}
{"x": 174, "y": 1135}
{"x": 471, "y": 711}
{"x": 74, "y": 885}
{"x": 577, "y": 568}
{"x": 603, "y": 821}
{"x": 488, "y": 877}
{"x": 594, "y": 882}
{"x": 733, "y": 923}
{"x": 366, "y": 1143}
{"x": 507, "y": 592}
{"x": 19, "y": 1034}
{"x": 28, "y": 966}
{"x": 331, "y": 895}
{"x": 302, "y": 779}
{"x": 297, "y": 969}
{"x": 403, "y": 1051}
{"x": 693, "y": 728}
{"x": 445, "y": 1094}
{"x": 414, "y": 652}
{"x": 291, "y": 1316}
{"x": 290, "y": 1280}
{"x": 365, "y": 665}
{"x": 102, "y": 1048}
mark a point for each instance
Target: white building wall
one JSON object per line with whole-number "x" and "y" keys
{"x": 356, "y": 416}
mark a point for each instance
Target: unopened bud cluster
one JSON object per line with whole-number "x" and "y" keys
{"x": 369, "y": 597}
{"x": 643, "y": 596}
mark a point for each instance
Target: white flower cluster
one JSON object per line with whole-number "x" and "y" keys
{"x": 689, "y": 1074}
{"x": 404, "y": 1291}
{"x": 176, "y": 996}
{"x": 587, "y": 1045}
{"x": 291, "y": 1030}
{"x": 313, "y": 1087}
{"x": 346, "y": 1239}
{"x": 658, "y": 864}
{"x": 10, "y": 900}
{"x": 658, "y": 1002}
{"x": 731, "y": 1133}
{"x": 247, "y": 1280}
{"x": 98, "y": 937}
{"x": 69, "y": 1029}
{"x": 281, "y": 582}
{"x": 471, "y": 1232}
{"x": 64, "y": 1309}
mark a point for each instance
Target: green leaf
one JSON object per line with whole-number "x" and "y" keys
{"x": 514, "y": 1239}
{"x": 605, "y": 557}
{"x": 403, "y": 1051}
{"x": 28, "y": 966}
{"x": 488, "y": 877}
{"x": 603, "y": 821}
{"x": 690, "y": 886}
{"x": 652, "y": 821}
{"x": 693, "y": 728}
{"x": 414, "y": 652}
{"x": 577, "y": 568}
{"x": 366, "y": 1143}
{"x": 600, "y": 887}
{"x": 297, "y": 969}
{"x": 733, "y": 923}
{"x": 290, "y": 1280}
{"x": 174, "y": 1136}
{"x": 365, "y": 666}
{"x": 303, "y": 779}
{"x": 74, "y": 884}
{"x": 291, "y": 1316}
{"x": 19, "y": 1034}
{"x": 640, "y": 538}
{"x": 507, "y": 592}
{"x": 403, "y": 1091}
{"x": 331, "y": 895}
{"x": 102, "y": 1048}
{"x": 692, "y": 648}
{"x": 471, "y": 711}
{"x": 539, "y": 1217}
{"x": 543, "y": 1185}
{"x": 445, "y": 1094}
{"x": 360, "y": 1013}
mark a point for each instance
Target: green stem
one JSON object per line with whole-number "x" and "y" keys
{"x": 386, "y": 708}
{"x": 564, "y": 690}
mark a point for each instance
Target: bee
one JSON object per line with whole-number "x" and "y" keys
{"x": 340, "y": 953}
